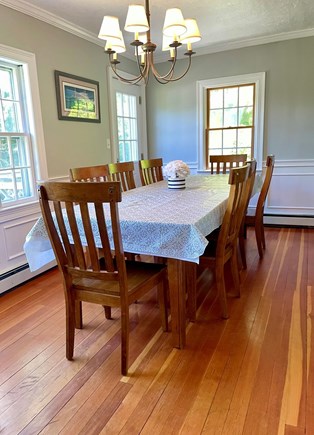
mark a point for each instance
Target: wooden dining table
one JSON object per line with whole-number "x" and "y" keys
{"x": 160, "y": 222}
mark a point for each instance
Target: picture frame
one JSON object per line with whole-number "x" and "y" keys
{"x": 77, "y": 98}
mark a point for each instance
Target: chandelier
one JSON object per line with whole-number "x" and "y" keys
{"x": 176, "y": 31}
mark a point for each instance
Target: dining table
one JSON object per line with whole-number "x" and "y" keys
{"x": 160, "y": 222}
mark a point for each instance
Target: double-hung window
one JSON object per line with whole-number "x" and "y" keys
{"x": 17, "y": 178}
{"x": 230, "y": 120}
{"x": 231, "y": 117}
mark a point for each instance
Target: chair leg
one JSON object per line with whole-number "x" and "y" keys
{"x": 259, "y": 238}
{"x": 70, "y": 327}
{"x": 78, "y": 315}
{"x": 107, "y": 312}
{"x": 242, "y": 251}
{"x": 125, "y": 326}
{"x": 162, "y": 292}
{"x": 235, "y": 271}
{"x": 263, "y": 236}
{"x": 220, "y": 282}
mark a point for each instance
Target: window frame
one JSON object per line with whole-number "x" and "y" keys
{"x": 255, "y": 78}
{"x": 31, "y": 96}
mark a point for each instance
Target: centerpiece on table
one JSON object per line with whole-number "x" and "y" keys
{"x": 176, "y": 171}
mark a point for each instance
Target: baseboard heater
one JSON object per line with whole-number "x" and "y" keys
{"x": 289, "y": 220}
{"x": 9, "y": 273}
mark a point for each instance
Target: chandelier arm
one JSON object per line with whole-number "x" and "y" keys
{"x": 123, "y": 79}
{"x": 183, "y": 74}
{"x": 156, "y": 73}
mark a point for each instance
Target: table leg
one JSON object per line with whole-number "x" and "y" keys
{"x": 177, "y": 290}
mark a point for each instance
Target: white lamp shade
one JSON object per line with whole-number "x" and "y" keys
{"x": 174, "y": 24}
{"x": 116, "y": 45}
{"x": 192, "y": 34}
{"x": 110, "y": 28}
{"x": 136, "y": 20}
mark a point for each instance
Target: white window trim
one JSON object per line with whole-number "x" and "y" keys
{"x": 28, "y": 60}
{"x": 112, "y": 113}
{"x": 203, "y": 85}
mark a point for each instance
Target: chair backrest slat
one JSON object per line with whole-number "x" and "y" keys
{"x": 223, "y": 163}
{"x": 75, "y": 205}
{"x": 234, "y": 213}
{"x": 90, "y": 173}
{"x": 150, "y": 171}
{"x": 123, "y": 172}
{"x": 270, "y": 162}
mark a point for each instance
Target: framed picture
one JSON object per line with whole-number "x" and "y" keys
{"x": 77, "y": 98}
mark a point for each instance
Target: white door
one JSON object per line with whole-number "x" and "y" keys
{"x": 128, "y": 120}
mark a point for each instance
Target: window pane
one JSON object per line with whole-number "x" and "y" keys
{"x": 231, "y": 97}
{"x": 120, "y": 129}
{"x": 19, "y": 152}
{"x": 246, "y": 116}
{"x": 244, "y": 137}
{"x": 126, "y": 128}
{"x": 6, "y": 91}
{"x": 133, "y": 129}
{"x": 125, "y": 100}
{"x": 229, "y": 139}
{"x": 119, "y": 104}
{"x": 132, "y": 101}
{"x": 7, "y": 186}
{"x": 216, "y": 98}
{"x": 246, "y": 95}
{"x": 215, "y": 139}
{"x": 121, "y": 152}
{"x": 4, "y": 153}
{"x": 11, "y": 120}
{"x": 127, "y": 151}
{"x": 215, "y": 118}
{"x": 230, "y": 117}
{"x": 23, "y": 183}
{"x": 246, "y": 151}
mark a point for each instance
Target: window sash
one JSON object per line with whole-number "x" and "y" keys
{"x": 236, "y": 148}
{"x": 17, "y": 171}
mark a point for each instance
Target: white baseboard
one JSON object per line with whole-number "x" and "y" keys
{"x": 20, "y": 277}
{"x": 302, "y": 221}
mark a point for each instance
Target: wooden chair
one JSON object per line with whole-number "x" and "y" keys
{"x": 223, "y": 164}
{"x": 90, "y": 173}
{"x": 150, "y": 171}
{"x": 123, "y": 172}
{"x": 256, "y": 217}
{"x": 251, "y": 181}
{"x": 117, "y": 283}
{"x": 218, "y": 252}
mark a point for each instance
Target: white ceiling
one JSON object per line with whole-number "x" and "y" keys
{"x": 223, "y": 24}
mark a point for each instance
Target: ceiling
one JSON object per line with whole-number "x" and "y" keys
{"x": 224, "y": 24}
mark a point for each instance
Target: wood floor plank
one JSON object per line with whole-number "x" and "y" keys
{"x": 251, "y": 374}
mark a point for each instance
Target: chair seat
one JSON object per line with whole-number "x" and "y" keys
{"x": 138, "y": 273}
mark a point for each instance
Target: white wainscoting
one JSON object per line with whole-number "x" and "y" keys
{"x": 290, "y": 200}
{"x": 15, "y": 223}
{"x": 291, "y": 194}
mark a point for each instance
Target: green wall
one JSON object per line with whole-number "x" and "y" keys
{"x": 289, "y": 108}
{"x": 68, "y": 143}
{"x": 171, "y": 109}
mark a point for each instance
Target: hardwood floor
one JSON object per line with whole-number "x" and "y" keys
{"x": 250, "y": 374}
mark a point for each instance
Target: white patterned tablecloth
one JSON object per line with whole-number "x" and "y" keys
{"x": 156, "y": 220}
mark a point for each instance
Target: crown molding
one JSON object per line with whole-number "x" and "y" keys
{"x": 233, "y": 45}
{"x": 49, "y": 18}
{"x": 67, "y": 26}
